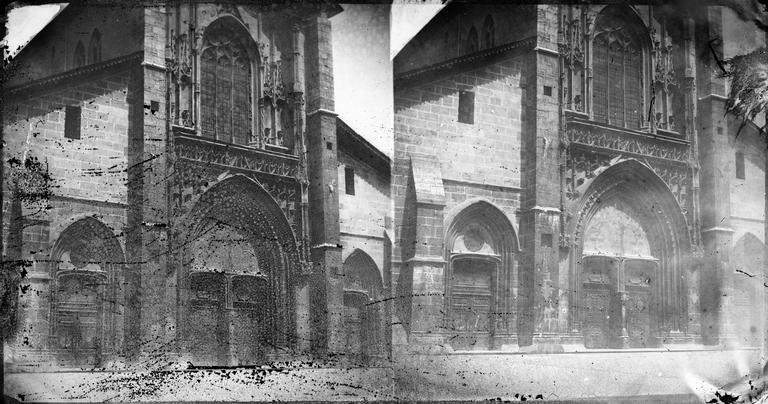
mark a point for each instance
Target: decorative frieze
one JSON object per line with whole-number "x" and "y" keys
{"x": 637, "y": 144}
{"x": 242, "y": 158}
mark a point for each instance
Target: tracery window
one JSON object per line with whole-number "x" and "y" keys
{"x": 79, "y": 59}
{"x": 489, "y": 35}
{"x": 226, "y": 86}
{"x": 94, "y": 47}
{"x": 618, "y": 72}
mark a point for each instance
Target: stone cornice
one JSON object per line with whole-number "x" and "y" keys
{"x": 463, "y": 63}
{"x": 48, "y": 84}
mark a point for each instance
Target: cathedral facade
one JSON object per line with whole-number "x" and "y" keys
{"x": 179, "y": 190}
{"x": 565, "y": 178}
{"x": 173, "y": 191}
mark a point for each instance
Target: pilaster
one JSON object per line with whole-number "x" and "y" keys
{"x": 323, "y": 199}
{"x": 714, "y": 156}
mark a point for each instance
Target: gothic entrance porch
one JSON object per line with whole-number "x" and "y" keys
{"x": 630, "y": 288}
{"x": 238, "y": 259}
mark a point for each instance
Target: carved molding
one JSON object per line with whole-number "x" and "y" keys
{"x": 241, "y": 158}
{"x": 193, "y": 178}
{"x": 631, "y": 143}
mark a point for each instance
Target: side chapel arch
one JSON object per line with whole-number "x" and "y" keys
{"x": 480, "y": 276}
{"x": 238, "y": 260}
{"x": 631, "y": 242}
{"x": 86, "y": 269}
{"x": 363, "y": 306}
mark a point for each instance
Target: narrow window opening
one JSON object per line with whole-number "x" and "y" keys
{"x": 467, "y": 107}
{"x": 94, "y": 47}
{"x": 349, "y": 180}
{"x": 548, "y": 91}
{"x": 740, "y": 174}
{"x": 79, "y": 54}
{"x": 489, "y": 35}
{"x": 471, "y": 45}
{"x": 546, "y": 240}
{"x": 72, "y": 122}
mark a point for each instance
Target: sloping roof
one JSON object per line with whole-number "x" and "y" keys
{"x": 355, "y": 145}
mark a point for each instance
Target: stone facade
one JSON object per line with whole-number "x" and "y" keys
{"x": 177, "y": 193}
{"x": 180, "y": 191}
{"x": 595, "y": 181}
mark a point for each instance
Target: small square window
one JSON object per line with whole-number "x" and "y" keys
{"x": 154, "y": 106}
{"x": 546, "y": 240}
{"x": 72, "y": 122}
{"x": 740, "y": 172}
{"x": 548, "y": 91}
{"x": 467, "y": 107}
{"x": 349, "y": 180}
{"x": 329, "y": 145}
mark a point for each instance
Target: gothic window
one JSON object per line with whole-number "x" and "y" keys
{"x": 489, "y": 36}
{"x": 226, "y": 85}
{"x": 79, "y": 59}
{"x": 618, "y": 69}
{"x": 471, "y": 45}
{"x": 94, "y": 47}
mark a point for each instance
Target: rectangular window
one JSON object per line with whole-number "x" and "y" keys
{"x": 72, "y": 122}
{"x": 349, "y": 180}
{"x": 467, "y": 107}
{"x": 546, "y": 240}
{"x": 548, "y": 91}
{"x": 740, "y": 165}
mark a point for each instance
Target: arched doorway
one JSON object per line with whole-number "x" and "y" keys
{"x": 481, "y": 278}
{"x": 631, "y": 241}
{"x": 86, "y": 268}
{"x": 747, "y": 312}
{"x": 363, "y": 308}
{"x": 238, "y": 259}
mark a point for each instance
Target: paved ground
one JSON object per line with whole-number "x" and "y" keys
{"x": 570, "y": 375}
{"x": 595, "y": 376}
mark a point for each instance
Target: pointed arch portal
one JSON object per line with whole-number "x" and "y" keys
{"x": 631, "y": 241}
{"x": 239, "y": 258}
{"x": 363, "y": 311}
{"x": 86, "y": 268}
{"x": 481, "y": 272}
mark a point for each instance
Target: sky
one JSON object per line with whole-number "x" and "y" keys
{"x": 365, "y": 39}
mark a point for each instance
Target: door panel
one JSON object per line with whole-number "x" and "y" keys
{"x": 471, "y": 303}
